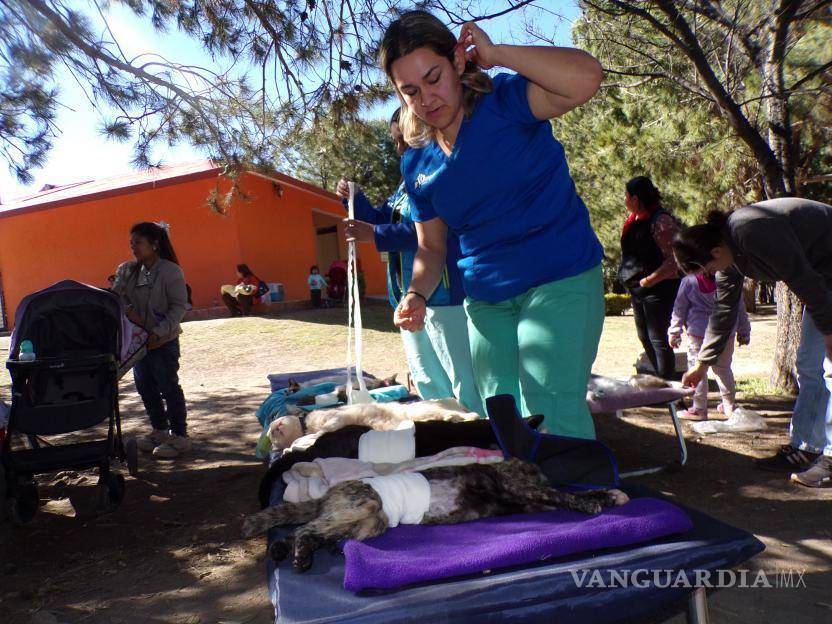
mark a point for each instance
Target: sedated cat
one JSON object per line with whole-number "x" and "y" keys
{"x": 355, "y": 509}
{"x": 379, "y": 416}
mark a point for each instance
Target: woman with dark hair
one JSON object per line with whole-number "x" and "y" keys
{"x": 153, "y": 290}
{"x": 789, "y": 240}
{"x": 648, "y": 271}
{"x": 484, "y": 165}
{"x": 239, "y": 298}
{"x": 439, "y": 358}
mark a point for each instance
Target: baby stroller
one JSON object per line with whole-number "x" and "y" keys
{"x": 336, "y": 290}
{"x": 77, "y": 333}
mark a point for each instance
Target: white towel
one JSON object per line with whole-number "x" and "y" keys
{"x": 405, "y": 498}
{"x": 316, "y": 477}
{"x": 388, "y": 447}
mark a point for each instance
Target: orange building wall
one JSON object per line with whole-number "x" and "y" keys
{"x": 86, "y": 241}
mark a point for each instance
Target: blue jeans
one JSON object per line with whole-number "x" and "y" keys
{"x": 157, "y": 379}
{"x": 811, "y": 427}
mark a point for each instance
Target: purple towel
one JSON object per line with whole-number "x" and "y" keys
{"x": 417, "y": 553}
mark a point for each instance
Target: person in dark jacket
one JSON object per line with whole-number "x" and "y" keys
{"x": 648, "y": 271}
{"x": 790, "y": 240}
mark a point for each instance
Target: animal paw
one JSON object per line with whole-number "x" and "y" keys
{"x": 251, "y": 526}
{"x": 279, "y": 550}
{"x": 302, "y": 563}
{"x": 618, "y": 497}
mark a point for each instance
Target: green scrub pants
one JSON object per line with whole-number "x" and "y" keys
{"x": 539, "y": 347}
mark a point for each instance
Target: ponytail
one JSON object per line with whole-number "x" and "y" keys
{"x": 717, "y": 219}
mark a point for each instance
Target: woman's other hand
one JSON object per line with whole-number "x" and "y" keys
{"x": 360, "y": 231}
{"x": 410, "y": 313}
{"x": 342, "y": 190}
{"x": 478, "y": 46}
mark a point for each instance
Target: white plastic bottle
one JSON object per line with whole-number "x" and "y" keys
{"x": 27, "y": 352}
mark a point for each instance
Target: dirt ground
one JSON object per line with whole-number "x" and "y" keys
{"x": 172, "y": 553}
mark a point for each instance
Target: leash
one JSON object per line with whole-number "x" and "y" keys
{"x": 354, "y": 342}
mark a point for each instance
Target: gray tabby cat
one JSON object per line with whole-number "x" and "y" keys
{"x": 353, "y": 509}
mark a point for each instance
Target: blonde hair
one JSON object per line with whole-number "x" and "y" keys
{"x": 419, "y": 29}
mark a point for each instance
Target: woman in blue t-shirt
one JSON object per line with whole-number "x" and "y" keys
{"x": 484, "y": 163}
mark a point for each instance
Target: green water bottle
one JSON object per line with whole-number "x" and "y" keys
{"x": 27, "y": 351}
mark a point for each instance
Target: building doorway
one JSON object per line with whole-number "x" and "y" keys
{"x": 329, "y": 239}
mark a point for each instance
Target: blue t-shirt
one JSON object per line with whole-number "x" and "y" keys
{"x": 506, "y": 192}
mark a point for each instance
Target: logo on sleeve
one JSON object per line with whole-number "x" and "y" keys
{"x": 423, "y": 179}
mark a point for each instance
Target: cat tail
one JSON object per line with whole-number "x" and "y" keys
{"x": 286, "y": 513}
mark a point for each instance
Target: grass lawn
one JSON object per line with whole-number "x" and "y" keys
{"x": 173, "y": 552}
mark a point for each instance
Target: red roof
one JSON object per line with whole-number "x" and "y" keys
{"x": 165, "y": 175}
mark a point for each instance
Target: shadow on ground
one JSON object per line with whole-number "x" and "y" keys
{"x": 170, "y": 553}
{"x": 721, "y": 480}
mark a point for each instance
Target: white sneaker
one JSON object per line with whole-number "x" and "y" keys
{"x": 149, "y": 442}
{"x": 174, "y": 446}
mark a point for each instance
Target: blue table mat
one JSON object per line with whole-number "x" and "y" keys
{"x": 541, "y": 593}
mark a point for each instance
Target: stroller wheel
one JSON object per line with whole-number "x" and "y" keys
{"x": 131, "y": 450}
{"x": 110, "y": 492}
{"x": 23, "y": 504}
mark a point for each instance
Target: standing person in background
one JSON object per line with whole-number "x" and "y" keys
{"x": 483, "y": 163}
{"x": 153, "y": 291}
{"x": 787, "y": 239}
{"x": 316, "y": 284}
{"x": 695, "y": 301}
{"x": 439, "y": 358}
{"x": 648, "y": 271}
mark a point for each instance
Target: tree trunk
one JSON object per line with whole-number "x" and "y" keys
{"x": 789, "y": 316}
{"x": 749, "y": 295}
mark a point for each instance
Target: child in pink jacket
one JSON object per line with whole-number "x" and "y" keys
{"x": 694, "y": 303}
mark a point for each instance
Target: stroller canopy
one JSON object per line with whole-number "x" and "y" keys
{"x": 69, "y": 319}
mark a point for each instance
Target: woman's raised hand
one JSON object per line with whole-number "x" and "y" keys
{"x": 478, "y": 46}
{"x": 343, "y": 189}
{"x": 410, "y": 313}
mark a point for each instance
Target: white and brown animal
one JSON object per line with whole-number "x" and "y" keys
{"x": 379, "y": 416}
